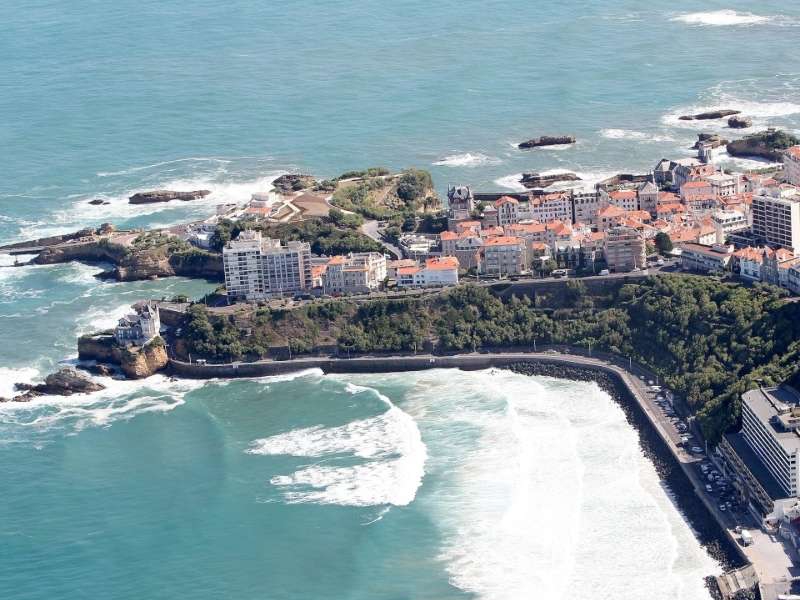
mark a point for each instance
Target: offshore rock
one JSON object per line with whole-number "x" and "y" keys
{"x": 537, "y": 180}
{"x": 547, "y": 140}
{"x": 714, "y": 138}
{"x": 736, "y": 122}
{"x": 166, "y": 196}
{"x": 290, "y": 183}
{"x": 712, "y": 114}
{"x": 64, "y": 382}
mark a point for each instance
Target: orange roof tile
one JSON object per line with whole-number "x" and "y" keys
{"x": 502, "y": 241}
{"x": 445, "y": 263}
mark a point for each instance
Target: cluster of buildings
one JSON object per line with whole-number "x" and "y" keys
{"x": 258, "y": 268}
{"x": 717, "y": 220}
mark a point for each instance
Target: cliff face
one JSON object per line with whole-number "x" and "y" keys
{"x": 134, "y": 361}
{"x": 134, "y": 265}
{"x": 138, "y": 363}
{"x": 94, "y": 251}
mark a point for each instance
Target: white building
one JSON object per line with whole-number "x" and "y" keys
{"x": 708, "y": 259}
{"x": 507, "y": 210}
{"x": 356, "y": 273}
{"x": 770, "y": 425}
{"x": 791, "y": 165}
{"x": 257, "y": 268}
{"x": 776, "y": 221}
{"x": 437, "y": 272}
{"x": 624, "y": 249}
{"x": 504, "y": 255}
{"x": 416, "y": 246}
{"x": 724, "y": 185}
{"x": 140, "y": 326}
{"x": 585, "y": 206}
{"x": 548, "y": 207}
{"x": 727, "y": 222}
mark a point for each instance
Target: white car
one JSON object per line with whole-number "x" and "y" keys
{"x": 697, "y": 449}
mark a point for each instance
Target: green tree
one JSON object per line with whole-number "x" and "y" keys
{"x": 663, "y": 243}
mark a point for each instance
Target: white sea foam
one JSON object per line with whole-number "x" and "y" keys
{"x": 101, "y": 318}
{"x": 511, "y": 182}
{"x": 390, "y": 446}
{"x": 79, "y": 213}
{"x": 8, "y": 377}
{"x": 161, "y": 164}
{"x": 762, "y": 113}
{"x": 722, "y": 18}
{"x": 641, "y": 136}
{"x": 121, "y": 399}
{"x": 538, "y": 486}
{"x": 468, "y": 159}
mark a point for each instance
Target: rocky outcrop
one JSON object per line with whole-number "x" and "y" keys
{"x": 136, "y": 362}
{"x": 64, "y": 382}
{"x": 166, "y": 196}
{"x": 98, "y": 202}
{"x": 713, "y": 138}
{"x": 537, "y": 180}
{"x": 547, "y": 140}
{"x": 291, "y": 182}
{"x": 91, "y": 251}
{"x": 768, "y": 144}
{"x": 140, "y": 362}
{"x": 712, "y": 114}
{"x": 737, "y": 122}
{"x": 139, "y": 266}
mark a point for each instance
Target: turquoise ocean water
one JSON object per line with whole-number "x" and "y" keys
{"x": 430, "y": 486}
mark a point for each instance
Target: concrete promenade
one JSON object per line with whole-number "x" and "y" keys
{"x": 767, "y": 556}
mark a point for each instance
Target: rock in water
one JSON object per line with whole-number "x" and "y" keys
{"x": 547, "y": 140}
{"x": 289, "y": 183}
{"x": 713, "y": 138}
{"x": 712, "y": 114}
{"x": 536, "y": 180}
{"x": 64, "y": 382}
{"x": 166, "y": 196}
{"x": 736, "y": 122}
{"x": 69, "y": 381}
{"x": 97, "y": 202}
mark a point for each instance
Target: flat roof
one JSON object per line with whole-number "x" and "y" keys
{"x": 768, "y": 404}
{"x": 754, "y": 464}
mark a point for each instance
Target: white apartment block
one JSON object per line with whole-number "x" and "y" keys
{"x": 356, "y": 273}
{"x": 549, "y": 207}
{"x": 257, "y": 268}
{"x": 504, "y": 255}
{"x": 770, "y": 421}
{"x": 437, "y": 272}
{"x": 791, "y": 165}
{"x": 507, "y": 210}
{"x": 727, "y": 222}
{"x": 776, "y": 221}
{"x": 724, "y": 185}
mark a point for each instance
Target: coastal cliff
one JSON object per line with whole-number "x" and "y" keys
{"x": 153, "y": 257}
{"x": 768, "y": 144}
{"x": 137, "y": 362}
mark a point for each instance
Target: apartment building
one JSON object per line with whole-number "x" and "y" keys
{"x": 776, "y": 221}
{"x": 624, "y": 249}
{"x": 726, "y": 222}
{"x": 437, "y": 272}
{"x": 791, "y": 165}
{"x": 355, "y": 273}
{"x": 504, "y": 255}
{"x": 585, "y": 206}
{"x": 706, "y": 259}
{"x": 257, "y": 268}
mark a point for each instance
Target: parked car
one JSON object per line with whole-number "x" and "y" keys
{"x": 604, "y": 272}
{"x": 709, "y": 489}
{"x": 697, "y": 450}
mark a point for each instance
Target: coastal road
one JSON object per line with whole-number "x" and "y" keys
{"x": 370, "y": 229}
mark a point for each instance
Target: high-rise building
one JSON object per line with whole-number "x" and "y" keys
{"x": 776, "y": 221}
{"x": 257, "y": 268}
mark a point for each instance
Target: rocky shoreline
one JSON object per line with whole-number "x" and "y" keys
{"x": 705, "y": 527}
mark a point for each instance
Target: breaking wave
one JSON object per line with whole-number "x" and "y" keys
{"x": 390, "y": 470}
{"x": 468, "y": 159}
{"x": 722, "y": 18}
